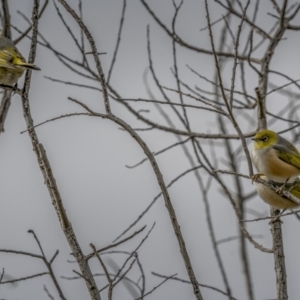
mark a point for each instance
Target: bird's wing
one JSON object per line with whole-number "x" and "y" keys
{"x": 287, "y": 152}
{"x": 296, "y": 190}
{"x": 5, "y": 60}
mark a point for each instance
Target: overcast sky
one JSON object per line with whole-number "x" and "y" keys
{"x": 89, "y": 157}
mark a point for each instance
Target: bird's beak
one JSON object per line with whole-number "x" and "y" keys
{"x": 254, "y": 139}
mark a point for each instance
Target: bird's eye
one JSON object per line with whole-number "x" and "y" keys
{"x": 265, "y": 138}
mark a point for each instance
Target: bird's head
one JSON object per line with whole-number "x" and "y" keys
{"x": 264, "y": 139}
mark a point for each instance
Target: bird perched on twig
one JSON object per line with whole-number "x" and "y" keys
{"x": 275, "y": 157}
{"x": 12, "y": 63}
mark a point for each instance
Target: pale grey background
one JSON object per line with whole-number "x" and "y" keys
{"x": 89, "y": 155}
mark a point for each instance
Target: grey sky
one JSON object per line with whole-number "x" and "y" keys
{"x": 88, "y": 157}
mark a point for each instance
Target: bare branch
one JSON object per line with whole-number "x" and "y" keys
{"x": 150, "y": 292}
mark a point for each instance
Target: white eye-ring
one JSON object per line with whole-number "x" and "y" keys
{"x": 265, "y": 138}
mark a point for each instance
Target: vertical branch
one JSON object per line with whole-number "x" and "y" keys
{"x": 261, "y": 110}
{"x": 227, "y": 104}
{"x": 47, "y": 172}
{"x": 82, "y": 48}
{"x": 240, "y": 197}
{"x": 6, "y": 98}
{"x": 6, "y": 30}
{"x": 279, "y": 260}
{"x": 232, "y": 159}
{"x": 118, "y": 42}
{"x": 176, "y": 72}
{"x": 264, "y": 72}
{"x": 262, "y": 123}
{"x": 236, "y": 47}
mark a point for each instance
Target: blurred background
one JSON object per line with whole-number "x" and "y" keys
{"x": 89, "y": 155}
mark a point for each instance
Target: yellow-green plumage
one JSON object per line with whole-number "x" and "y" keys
{"x": 275, "y": 200}
{"x": 275, "y": 157}
{"x": 12, "y": 63}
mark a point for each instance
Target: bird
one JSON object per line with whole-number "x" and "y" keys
{"x": 275, "y": 157}
{"x": 277, "y": 201}
{"x": 12, "y": 63}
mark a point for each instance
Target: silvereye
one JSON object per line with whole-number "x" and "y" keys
{"x": 275, "y": 157}
{"x": 275, "y": 200}
{"x": 12, "y": 63}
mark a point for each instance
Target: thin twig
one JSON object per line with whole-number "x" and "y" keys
{"x": 200, "y": 284}
{"x": 150, "y": 292}
{"x": 116, "y": 244}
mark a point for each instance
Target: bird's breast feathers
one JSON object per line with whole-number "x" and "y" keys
{"x": 267, "y": 162}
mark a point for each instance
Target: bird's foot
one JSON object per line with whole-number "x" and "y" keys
{"x": 280, "y": 190}
{"x": 256, "y": 176}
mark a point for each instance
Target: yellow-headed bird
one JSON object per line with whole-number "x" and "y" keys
{"x": 275, "y": 157}
{"x": 12, "y": 62}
